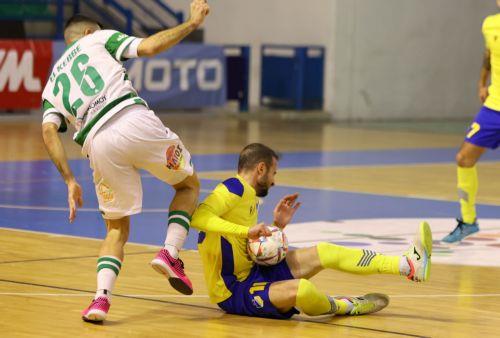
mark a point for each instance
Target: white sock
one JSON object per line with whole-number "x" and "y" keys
{"x": 404, "y": 266}
{"x": 108, "y": 268}
{"x": 178, "y": 227}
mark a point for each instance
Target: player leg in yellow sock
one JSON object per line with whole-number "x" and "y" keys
{"x": 360, "y": 261}
{"x": 414, "y": 263}
{"x": 305, "y": 295}
{"x": 467, "y": 191}
{"x": 467, "y": 183}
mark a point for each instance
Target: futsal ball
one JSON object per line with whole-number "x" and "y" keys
{"x": 268, "y": 250}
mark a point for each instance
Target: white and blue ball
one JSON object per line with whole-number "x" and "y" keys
{"x": 270, "y": 250}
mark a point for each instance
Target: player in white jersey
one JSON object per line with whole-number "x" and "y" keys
{"x": 89, "y": 88}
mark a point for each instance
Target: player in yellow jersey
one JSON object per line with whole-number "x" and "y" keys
{"x": 228, "y": 217}
{"x": 484, "y": 132}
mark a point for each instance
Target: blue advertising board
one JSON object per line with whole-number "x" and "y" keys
{"x": 187, "y": 76}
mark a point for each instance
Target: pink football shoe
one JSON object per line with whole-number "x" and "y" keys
{"x": 173, "y": 269}
{"x": 97, "y": 310}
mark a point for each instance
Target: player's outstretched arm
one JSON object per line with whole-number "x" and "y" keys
{"x": 484, "y": 76}
{"x": 58, "y": 156}
{"x": 163, "y": 40}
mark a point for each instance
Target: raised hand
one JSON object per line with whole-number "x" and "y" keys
{"x": 199, "y": 10}
{"x": 285, "y": 209}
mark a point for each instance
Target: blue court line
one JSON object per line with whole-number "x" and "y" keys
{"x": 38, "y": 183}
{"x": 42, "y": 169}
{"x": 150, "y": 228}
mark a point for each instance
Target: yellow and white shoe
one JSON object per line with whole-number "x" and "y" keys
{"x": 363, "y": 305}
{"x": 419, "y": 254}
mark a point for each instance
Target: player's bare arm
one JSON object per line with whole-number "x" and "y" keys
{"x": 58, "y": 156}
{"x": 484, "y": 76}
{"x": 285, "y": 209}
{"x": 168, "y": 38}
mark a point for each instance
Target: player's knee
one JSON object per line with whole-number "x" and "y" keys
{"x": 303, "y": 289}
{"x": 117, "y": 236}
{"x": 118, "y": 231}
{"x": 464, "y": 161}
{"x": 291, "y": 292}
{"x": 191, "y": 183}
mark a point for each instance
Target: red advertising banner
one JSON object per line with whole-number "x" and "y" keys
{"x": 24, "y": 67}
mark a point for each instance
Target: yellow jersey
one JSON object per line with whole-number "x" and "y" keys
{"x": 223, "y": 220}
{"x": 491, "y": 32}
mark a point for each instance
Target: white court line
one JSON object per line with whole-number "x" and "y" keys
{"x": 46, "y": 208}
{"x": 29, "y": 294}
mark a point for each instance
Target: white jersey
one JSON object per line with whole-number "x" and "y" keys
{"x": 89, "y": 84}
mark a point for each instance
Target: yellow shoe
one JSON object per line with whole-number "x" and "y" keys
{"x": 370, "y": 303}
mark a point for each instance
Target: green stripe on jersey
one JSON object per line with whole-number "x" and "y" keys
{"x": 114, "y": 42}
{"x": 46, "y": 105}
{"x": 109, "y": 259}
{"x": 82, "y": 134}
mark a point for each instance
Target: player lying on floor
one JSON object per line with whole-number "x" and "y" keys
{"x": 227, "y": 218}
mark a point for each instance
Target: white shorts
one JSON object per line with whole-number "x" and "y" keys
{"x": 131, "y": 140}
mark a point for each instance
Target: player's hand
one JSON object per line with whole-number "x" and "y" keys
{"x": 259, "y": 230}
{"x": 199, "y": 10}
{"x": 74, "y": 199}
{"x": 285, "y": 209}
{"x": 483, "y": 94}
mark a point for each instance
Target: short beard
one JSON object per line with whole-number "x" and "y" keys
{"x": 261, "y": 190}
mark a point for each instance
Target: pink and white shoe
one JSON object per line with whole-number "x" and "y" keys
{"x": 173, "y": 269}
{"x": 97, "y": 310}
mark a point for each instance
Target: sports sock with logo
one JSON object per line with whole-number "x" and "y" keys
{"x": 467, "y": 191}
{"x": 315, "y": 303}
{"x": 358, "y": 261}
{"x": 108, "y": 268}
{"x": 178, "y": 228}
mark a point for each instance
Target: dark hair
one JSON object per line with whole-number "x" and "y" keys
{"x": 77, "y": 18}
{"x": 255, "y": 153}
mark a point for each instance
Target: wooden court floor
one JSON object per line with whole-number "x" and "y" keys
{"x": 47, "y": 279}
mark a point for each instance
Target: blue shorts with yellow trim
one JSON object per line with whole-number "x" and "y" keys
{"x": 251, "y": 296}
{"x": 485, "y": 130}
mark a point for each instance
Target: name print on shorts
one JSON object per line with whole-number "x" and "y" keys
{"x": 174, "y": 157}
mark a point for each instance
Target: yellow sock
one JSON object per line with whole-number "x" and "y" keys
{"x": 467, "y": 191}
{"x": 315, "y": 303}
{"x": 357, "y": 261}
{"x": 311, "y": 301}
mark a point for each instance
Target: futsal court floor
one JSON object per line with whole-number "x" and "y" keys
{"x": 361, "y": 185}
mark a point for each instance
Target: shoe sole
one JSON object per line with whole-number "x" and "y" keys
{"x": 175, "y": 282}
{"x": 426, "y": 240}
{"x": 95, "y": 317}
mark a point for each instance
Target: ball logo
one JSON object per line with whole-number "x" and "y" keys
{"x": 174, "y": 157}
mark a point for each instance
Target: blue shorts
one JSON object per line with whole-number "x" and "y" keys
{"x": 251, "y": 296}
{"x": 485, "y": 130}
